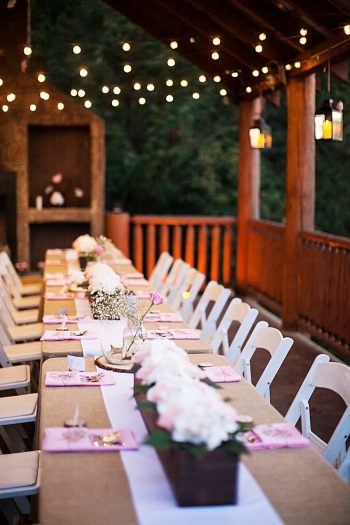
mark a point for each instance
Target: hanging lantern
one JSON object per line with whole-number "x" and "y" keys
{"x": 260, "y": 135}
{"x": 329, "y": 121}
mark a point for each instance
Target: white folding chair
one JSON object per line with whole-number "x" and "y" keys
{"x": 12, "y": 333}
{"x": 20, "y": 353}
{"x": 18, "y": 316}
{"x": 184, "y": 299}
{"x": 207, "y": 323}
{"x": 237, "y": 312}
{"x": 14, "y": 377}
{"x": 22, "y": 288}
{"x": 156, "y": 279}
{"x": 19, "y": 478}
{"x": 175, "y": 277}
{"x": 335, "y": 377}
{"x": 270, "y": 339}
{"x": 20, "y": 302}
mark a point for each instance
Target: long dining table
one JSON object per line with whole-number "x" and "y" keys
{"x": 104, "y": 487}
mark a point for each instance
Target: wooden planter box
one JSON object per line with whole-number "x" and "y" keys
{"x": 211, "y": 480}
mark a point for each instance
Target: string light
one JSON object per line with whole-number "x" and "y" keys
{"x": 265, "y": 70}
{"x": 202, "y": 78}
{"x": 115, "y": 102}
{"x": 73, "y": 92}
{"x": 137, "y": 86}
{"x": 127, "y": 68}
{"x": 217, "y": 78}
{"x": 27, "y": 51}
{"x": 258, "y": 48}
{"x": 303, "y": 31}
{"x": 302, "y": 40}
{"x": 215, "y": 55}
{"x": 81, "y": 93}
{"x": 32, "y": 107}
{"x": 83, "y": 72}
{"x": 150, "y": 87}
{"x": 223, "y": 92}
{"x": 41, "y": 77}
{"x": 116, "y": 90}
{"x": 88, "y": 104}
{"x": 216, "y": 41}
{"x": 248, "y": 89}
{"x": 262, "y": 37}
{"x": 5, "y": 108}
{"x": 255, "y": 73}
{"x": 174, "y": 44}
{"x": 44, "y": 95}
{"x": 105, "y": 89}
{"x": 11, "y": 97}
{"x": 142, "y": 101}
{"x": 169, "y": 82}
{"x": 297, "y": 65}
{"x": 60, "y": 106}
{"x": 347, "y": 29}
{"x": 234, "y": 74}
{"x": 169, "y": 98}
{"x": 184, "y": 83}
{"x": 76, "y": 49}
{"x": 288, "y": 67}
{"x": 1, "y": 82}
{"x": 171, "y": 62}
{"x": 126, "y": 46}
{"x": 195, "y": 96}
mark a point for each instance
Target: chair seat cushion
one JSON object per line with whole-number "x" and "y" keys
{"x": 30, "y": 288}
{"x": 16, "y": 406}
{"x": 14, "y": 374}
{"x": 27, "y": 302}
{"x": 26, "y": 332}
{"x": 23, "y": 352}
{"x": 18, "y": 470}
{"x": 26, "y": 316}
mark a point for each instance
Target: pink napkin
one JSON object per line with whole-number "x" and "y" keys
{"x": 52, "y": 296}
{"x": 86, "y": 440}
{"x": 163, "y": 317}
{"x": 54, "y": 335}
{"x": 170, "y": 333}
{"x": 134, "y": 282}
{"x": 275, "y": 435}
{"x": 222, "y": 374}
{"x": 79, "y": 378}
{"x": 70, "y": 319}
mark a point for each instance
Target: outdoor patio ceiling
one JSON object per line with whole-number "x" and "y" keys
{"x": 294, "y": 37}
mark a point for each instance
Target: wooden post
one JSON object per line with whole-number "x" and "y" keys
{"x": 118, "y": 229}
{"x": 248, "y": 186}
{"x": 300, "y": 186}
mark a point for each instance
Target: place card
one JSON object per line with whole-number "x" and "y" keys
{"x": 222, "y": 374}
{"x": 76, "y": 363}
{"x": 60, "y": 439}
{"x": 274, "y": 435}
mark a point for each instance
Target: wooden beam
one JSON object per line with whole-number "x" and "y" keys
{"x": 305, "y": 12}
{"x": 300, "y": 186}
{"x": 248, "y": 187}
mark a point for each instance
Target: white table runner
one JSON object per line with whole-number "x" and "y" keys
{"x": 153, "y": 499}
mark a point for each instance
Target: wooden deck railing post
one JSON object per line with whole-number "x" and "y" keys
{"x": 300, "y": 186}
{"x": 248, "y": 186}
{"x": 118, "y": 230}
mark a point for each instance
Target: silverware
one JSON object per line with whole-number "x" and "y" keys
{"x": 106, "y": 440}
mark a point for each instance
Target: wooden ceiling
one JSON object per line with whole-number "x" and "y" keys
{"x": 238, "y": 23}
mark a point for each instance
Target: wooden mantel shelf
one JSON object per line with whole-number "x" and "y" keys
{"x": 59, "y": 215}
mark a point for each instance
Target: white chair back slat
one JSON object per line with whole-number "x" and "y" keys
{"x": 160, "y": 270}
{"x": 172, "y": 277}
{"x": 180, "y": 279}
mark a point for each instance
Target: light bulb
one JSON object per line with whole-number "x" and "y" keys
{"x": 248, "y": 89}
{"x": 27, "y": 51}
{"x": 83, "y": 72}
{"x": 1, "y": 81}
{"x": 171, "y": 62}
{"x": 126, "y": 46}
{"x": 88, "y": 104}
{"x": 215, "y": 55}
{"x": 32, "y": 107}
{"x": 195, "y": 95}
{"x": 288, "y": 67}
{"x": 255, "y": 73}
{"x": 41, "y": 77}
{"x": 262, "y": 37}
{"x": 265, "y": 69}
{"x": 217, "y": 78}
{"x": 44, "y": 95}
{"x": 184, "y": 83}
{"x": 60, "y": 106}
{"x": 5, "y": 108}
{"x": 169, "y": 98}
{"x": 223, "y": 92}
{"x": 169, "y": 82}
{"x": 347, "y": 29}
{"x": 81, "y": 93}
{"x": 174, "y": 44}
{"x": 73, "y": 92}
{"x": 303, "y": 31}
{"x": 234, "y": 74}
{"x": 142, "y": 101}
{"x": 115, "y": 102}
{"x": 127, "y": 68}
{"x": 105, "y": 89}
{"x": 258, "y": 48}
{"x": 76, "y": 49}
{"x": 216, "y": 41}
{"x": 150, "y": 87}
{"x": 11, "y": 97}
{"x": 116, "y": 90}
{"x": 297, "y": 65}
{"x": 302, "y": 40}
{"x": 137, "y": 86}
{"x": 202, "y": 78}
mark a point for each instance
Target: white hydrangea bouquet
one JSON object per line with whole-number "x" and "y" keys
{"x": 193, "y": 429}
{"x": 88, "y": 248}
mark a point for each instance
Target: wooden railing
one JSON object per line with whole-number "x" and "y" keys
{"x": 204, "y": 242}
{"x": 265, "y": 262}
{"x": 324, "y": 289}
